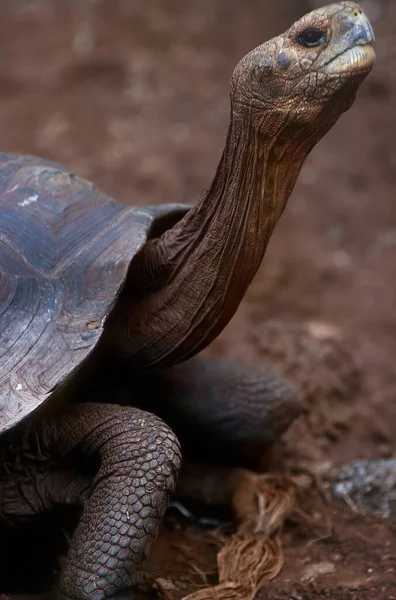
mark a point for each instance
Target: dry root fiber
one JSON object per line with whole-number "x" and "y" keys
{"x": 253, "y": 555}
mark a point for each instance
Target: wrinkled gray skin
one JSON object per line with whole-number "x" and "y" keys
{"x": 369, "y": 485}
{"x": 122, "y": 462}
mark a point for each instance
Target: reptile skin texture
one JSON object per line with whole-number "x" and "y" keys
{"x": 81, "y": 290}
{"x": 138, "y": 460}
{"x": 238, "y": 410}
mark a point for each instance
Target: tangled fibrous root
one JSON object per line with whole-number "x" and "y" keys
{"x": 253, "y": 555}
{"x": 315, "y": 358}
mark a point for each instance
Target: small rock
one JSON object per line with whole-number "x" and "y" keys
{"x": 164, "y": 587}
{"x": 317, "y": 569}
{"x": 323, "y": 331}
{"x": 369, "y": 485}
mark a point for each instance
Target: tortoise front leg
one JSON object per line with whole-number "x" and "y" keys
{"x": 138, "y": 460}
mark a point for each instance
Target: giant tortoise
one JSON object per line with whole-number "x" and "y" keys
{"x": 99, "y": 302}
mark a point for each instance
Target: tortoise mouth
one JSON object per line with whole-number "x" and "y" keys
{"x": 358, "y": 59}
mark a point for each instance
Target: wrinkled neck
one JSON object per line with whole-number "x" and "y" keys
{"x": 199, "y": 271}
{"x": 235, "y": 219}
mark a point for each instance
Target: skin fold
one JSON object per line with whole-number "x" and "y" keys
{"x": 285, "y": 97}
{"x": 112, "y": 445}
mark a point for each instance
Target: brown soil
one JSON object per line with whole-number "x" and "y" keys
{"x": 144, "y": 114}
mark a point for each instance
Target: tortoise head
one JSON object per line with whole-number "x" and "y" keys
{"x": 309, "y": 74}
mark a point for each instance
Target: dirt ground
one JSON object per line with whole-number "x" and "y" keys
{"x": 134, "y": 96}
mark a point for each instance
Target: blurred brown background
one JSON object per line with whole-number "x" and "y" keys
{"x": 133, "y": 95}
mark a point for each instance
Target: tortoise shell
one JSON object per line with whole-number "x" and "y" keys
{"x": 65, "y": 249}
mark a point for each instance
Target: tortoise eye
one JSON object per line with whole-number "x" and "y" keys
{"x": 311, "y": 37}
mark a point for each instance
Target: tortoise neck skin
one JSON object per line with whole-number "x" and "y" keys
{"x": 215, "y": 251}
{"x": 285, "y": 95}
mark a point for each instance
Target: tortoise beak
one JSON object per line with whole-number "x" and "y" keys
{"x": 356, "y": 28}
{"x": 357, "y": 52}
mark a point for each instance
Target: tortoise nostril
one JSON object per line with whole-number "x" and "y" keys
{"x": 356, "y": 27}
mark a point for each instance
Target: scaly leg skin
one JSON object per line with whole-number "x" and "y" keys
{"x": 223, "y": 412}
{"x": 134, "y": 458}
{"x": 226, "y": 415}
